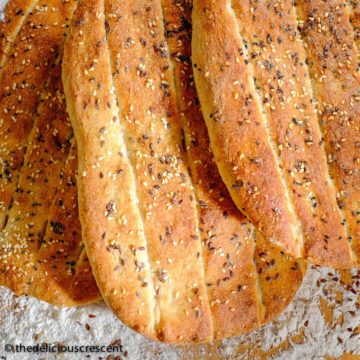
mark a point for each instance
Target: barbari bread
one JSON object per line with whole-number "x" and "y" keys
{"x": 282, "y": 112}
{"x": 275, "y": 277}
{"x": 42, "y": 254}
{"x": 174, "y": 264}
{"x": 333, "y": 60}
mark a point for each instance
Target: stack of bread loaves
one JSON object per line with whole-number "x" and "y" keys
{"x": 195, "y": 209}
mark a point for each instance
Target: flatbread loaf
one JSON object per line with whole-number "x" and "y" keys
{"x": 42, "y": 253}
{"x": 172, "y": 256}
{"x": 282, "y": 112}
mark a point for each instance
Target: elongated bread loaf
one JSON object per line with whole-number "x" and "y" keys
{"x": 242, "y": 271}
{"x": 137, "y": 208}
{"x": 257, "y": 99}
{"x": 333, "y": 60}
{"x": 41, "y": 249}
{"x": 143, "y": 223}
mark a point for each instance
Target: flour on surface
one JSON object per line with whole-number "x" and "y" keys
{"x": 323, "y": 319}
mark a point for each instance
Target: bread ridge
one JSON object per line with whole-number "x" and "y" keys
{"x": 104, "y": 270}
{"x": 37, "y": 51}
{"x": 81, "y": 288}
{"x": 232, "y": 314}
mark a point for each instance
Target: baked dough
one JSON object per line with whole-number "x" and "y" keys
{"x": 355, "y": 20}
{"x": 172, "y": 256}
{"x": 263, "y": 111}
{"x": 336, "y": 82}
{"x": 41, "y": 248}
{"x": 222, "y": 226}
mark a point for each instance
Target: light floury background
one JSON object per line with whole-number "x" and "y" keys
{"x": 322, "y": 322}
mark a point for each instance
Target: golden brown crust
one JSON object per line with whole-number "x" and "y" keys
{"x": 279, "y": 276}
{"x": 248, "y": 285}
{"x": 133, "y": 132}
{"x": 120, "y": 94}
{"x": 355, "y": 20}
{"x": 30, "y": 59}
{"x": 269, "y": 50}
{"x": 283, "y": 80}
{"x": 40, "y": 237}
{"x": 62, "y": 255}
{"x": 237, "y": 127}
{"x": 333, "y": 63}
{"x": 15, "y": 13}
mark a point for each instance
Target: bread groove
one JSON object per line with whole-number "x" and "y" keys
{"x": 259, "y": 292}
{"x": 80, "y": 258}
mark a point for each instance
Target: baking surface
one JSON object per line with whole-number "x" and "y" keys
{"x": 323, "y": 321}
